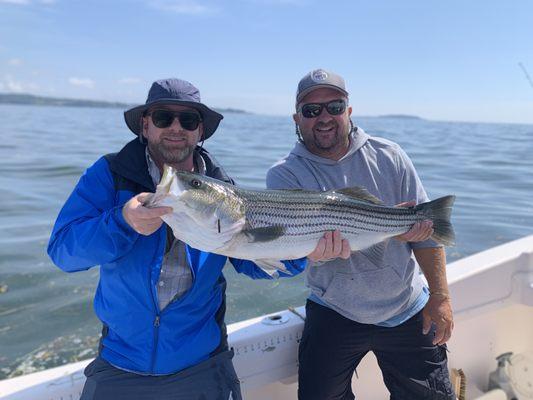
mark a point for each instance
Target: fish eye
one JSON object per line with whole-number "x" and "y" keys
{"x": 195, "y": 183}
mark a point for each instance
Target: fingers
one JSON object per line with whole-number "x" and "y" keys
{"x": 336, "y": 243}
{"x": 318, "y": 252}
{"x": 328, "y": 252}
{"x": 152, "y": 213}
{"x": 143, "y": 197}
{"x": 443, "y": 333}
{"x": 439, "y": 334}
{"x": 346, "y": 250}
{"x": 331, "y": 246}
{"x": 438, "y": 312}
{"x": 423, "y": 231}
{"x": 411, "y": 203}
{"x": 143, "y": 220}
{"x": 446, "y": 329}
{"x": 426, "y": 323}
{"x": 418, "y": 233}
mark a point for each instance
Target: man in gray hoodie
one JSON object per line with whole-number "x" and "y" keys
{"x": 356, "y": 306}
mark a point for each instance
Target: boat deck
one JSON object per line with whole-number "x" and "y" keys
{"x": 492, "y": 293}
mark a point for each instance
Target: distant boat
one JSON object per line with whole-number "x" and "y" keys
{"x": 492, "y": 294}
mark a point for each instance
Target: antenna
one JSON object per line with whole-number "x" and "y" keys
{"x": 526, "y": 74}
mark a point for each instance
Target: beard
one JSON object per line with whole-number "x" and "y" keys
{"x": 326, "y": 143}
{"x": 330, "y": 139}
{"x": 326, "y": 140}
{"x": 167, "y": 155}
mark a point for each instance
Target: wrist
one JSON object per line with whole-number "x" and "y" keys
{"x": 445, "y": 295}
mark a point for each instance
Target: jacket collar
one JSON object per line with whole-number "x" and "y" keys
{"x": 130, "y": 163}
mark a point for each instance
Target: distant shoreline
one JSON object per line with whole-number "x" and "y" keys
{"x": 400, "y": 116}
{"x": 33, "y": 100}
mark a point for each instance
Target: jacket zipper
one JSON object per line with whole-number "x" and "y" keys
{"x": 157, "y": 320}
{"x": 156, "y": 340}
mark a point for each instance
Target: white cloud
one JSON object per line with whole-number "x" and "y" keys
{"x": 129, "y": 81}
{"x": 83, "y": 82}
{"x": 11, "y": 85}
{"x": 190, "y": 7}
{"x": 15, "y": 62}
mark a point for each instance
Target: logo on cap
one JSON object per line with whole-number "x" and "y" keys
{"x": 319, "y": 75}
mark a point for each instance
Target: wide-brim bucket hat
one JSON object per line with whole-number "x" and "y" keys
{"x": 173, "y": 91}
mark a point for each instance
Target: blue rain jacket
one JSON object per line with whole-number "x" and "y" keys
{"x": 137, "y": 336}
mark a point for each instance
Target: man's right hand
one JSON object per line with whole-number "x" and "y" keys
{"x": 142, "y": 219}
{"x": 330, "y": 246}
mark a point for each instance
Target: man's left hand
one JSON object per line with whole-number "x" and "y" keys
{"x": 419, "y": 232}
{"x": 438, "y": 310}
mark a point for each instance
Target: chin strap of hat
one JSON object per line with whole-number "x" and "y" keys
{"x": 142, "y": 128}
{"x": 201, "y": 146}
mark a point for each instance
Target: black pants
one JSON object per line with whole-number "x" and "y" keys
{"x": 332, "y": 346}
{"x": 213, "y": 379}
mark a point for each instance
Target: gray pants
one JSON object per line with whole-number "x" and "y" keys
{"x": 213, "y": 379}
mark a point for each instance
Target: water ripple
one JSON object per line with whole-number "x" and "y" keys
{"x": 487, "y": 166}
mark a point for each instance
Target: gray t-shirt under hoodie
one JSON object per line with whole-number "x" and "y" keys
{"x": 357, "y": 288}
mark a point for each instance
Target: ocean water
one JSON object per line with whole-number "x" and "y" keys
{"x": 46, "y": 316}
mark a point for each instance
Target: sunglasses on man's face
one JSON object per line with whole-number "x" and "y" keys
{"x": 164, "y": 118}
{"x": 313, "y": 110}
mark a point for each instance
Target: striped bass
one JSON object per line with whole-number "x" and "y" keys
{"x": 266, "y": 226}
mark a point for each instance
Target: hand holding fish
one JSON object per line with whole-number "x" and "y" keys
{"x": 142, "y": 219}
{"x": 419, "y": 232}
{"x": 330, "y": 246}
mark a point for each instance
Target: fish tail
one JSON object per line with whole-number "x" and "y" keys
{"x": 439, "y": 211}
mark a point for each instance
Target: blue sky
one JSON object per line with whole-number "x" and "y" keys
{"x": 453, "y": 60}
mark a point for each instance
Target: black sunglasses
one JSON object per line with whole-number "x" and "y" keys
{"x": 165, "y": 118}
{"x": 313, "y": 110}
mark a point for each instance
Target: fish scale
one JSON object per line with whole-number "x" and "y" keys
{"x": 300, "y": 215}
{"x": 271, "y": 225}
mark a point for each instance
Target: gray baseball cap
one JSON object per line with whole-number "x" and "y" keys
{"x": 320, "y": 78}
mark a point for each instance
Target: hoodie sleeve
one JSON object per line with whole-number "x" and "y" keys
{"x": 90, "y": 228}
{"x": 254, "y": 271}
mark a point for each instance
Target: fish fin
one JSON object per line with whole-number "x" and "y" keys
{"x": 162, "y": 189}
{"x": 376, "y": 253}
{"x": 271, "y": 266}
{"x": 359, "y": 193}
{"x": 264, "y": 233}
{"x": 439, "y": 211}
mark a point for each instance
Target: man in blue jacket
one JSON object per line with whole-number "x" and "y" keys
{"x": 161, "y": 302}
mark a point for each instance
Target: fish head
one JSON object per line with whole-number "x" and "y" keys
{"x": 206, "y": 199}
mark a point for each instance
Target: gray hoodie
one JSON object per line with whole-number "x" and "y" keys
{"x": 356, "y": 288}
